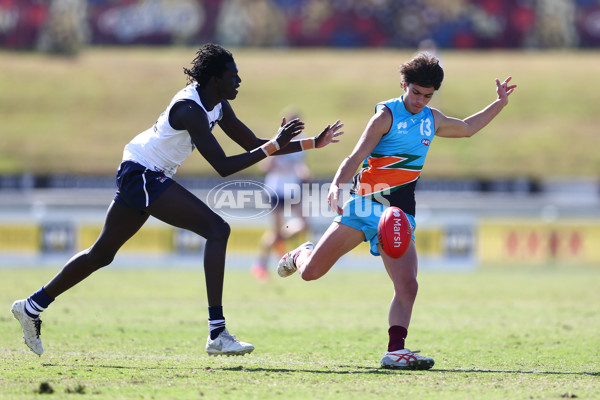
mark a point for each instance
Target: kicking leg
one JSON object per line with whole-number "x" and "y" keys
{"x": 338, "y": 240}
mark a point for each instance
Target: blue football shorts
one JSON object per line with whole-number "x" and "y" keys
{"x": 363, "y": 214}
{"x": 138, "y": 186}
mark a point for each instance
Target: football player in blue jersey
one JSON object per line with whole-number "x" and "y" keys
{"x": 389, "y": 157}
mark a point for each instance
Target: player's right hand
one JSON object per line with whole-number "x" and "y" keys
{"x": 288, "y": 131}
{"x": 333, "y": 198}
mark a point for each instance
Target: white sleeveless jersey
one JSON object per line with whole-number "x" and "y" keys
{"x": 162, "y": 148}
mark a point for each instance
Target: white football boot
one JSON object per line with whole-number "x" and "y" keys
{"x": 31, "y": 327}
{"x": 227, "y": 345}
{"x": 286, "y": 265}
{"x": 406, "y": 359}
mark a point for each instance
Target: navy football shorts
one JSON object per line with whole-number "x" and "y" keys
{"x": 138, "y": 186}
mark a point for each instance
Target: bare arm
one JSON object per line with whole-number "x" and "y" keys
{"x": 191, "y": 117}
{"x": 242, "y": 135}
{"x": 237, "y": 130}
{"x": 455, "y": 128}
{"x": 377, "y": 126}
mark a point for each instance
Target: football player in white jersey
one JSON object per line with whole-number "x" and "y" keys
{"x": 146, "y": 188}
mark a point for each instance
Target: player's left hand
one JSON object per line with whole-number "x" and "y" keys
{"x": 329, "y": 135}
{"x": 504, "y": 90}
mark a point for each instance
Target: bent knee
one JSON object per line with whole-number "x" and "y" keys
{"x": 408, "y": 288}
{"x": 100, "y": 258}
{"x": 309, "y": 275}
{"x": 219, "y": 230}
{"x": 311, "y": 272}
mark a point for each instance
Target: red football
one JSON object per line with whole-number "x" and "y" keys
{"x": 394, "y": 232}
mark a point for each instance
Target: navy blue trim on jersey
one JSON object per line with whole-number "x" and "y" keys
{"x": 138, "y": 186}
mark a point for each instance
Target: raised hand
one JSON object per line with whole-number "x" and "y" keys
{"x": 504, "y": 90}
{"x": 329, "y": 135}
{"x": 288, "y": 131}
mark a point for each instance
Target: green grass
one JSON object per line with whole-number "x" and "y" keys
{"x": 75, "y": 115}
{"x": 133, "y": 334}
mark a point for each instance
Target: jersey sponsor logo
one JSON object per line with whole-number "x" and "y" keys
{"x": 426, "y": 142}
{"x": 402, "y": 127}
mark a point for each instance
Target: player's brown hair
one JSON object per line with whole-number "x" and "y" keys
{"x": 423, "y": 70}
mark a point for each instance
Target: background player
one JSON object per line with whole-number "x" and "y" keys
{"x": 284, "y": 175}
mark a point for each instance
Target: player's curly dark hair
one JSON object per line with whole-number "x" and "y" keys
{"x": 423, "y": 70}
{"x": 210, "y": 61}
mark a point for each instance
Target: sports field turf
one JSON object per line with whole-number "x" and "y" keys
{"x": 140, "y": 334}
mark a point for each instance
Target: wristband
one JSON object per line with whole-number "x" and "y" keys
{"x": 307, "y": 144}
{"x": 270, "y": 147}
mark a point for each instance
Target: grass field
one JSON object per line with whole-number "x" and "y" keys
{"x": 133, "y": 334}
{"x": 75, "y": 115}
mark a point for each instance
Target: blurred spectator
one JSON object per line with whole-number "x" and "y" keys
{"x": 65, "y": 30}
{"x": 460, "y": 24}
{"x": 250, "y": 22}
{"x": 555, "y": 24}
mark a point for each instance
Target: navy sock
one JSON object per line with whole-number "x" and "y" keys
{"x": 216, "y": 321}
{"x": 37, "y": 302}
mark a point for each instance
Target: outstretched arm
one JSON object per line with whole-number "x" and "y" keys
{"x": 242, "y": 135}
{"x": 191, "y": 117}
{"x": 456, "y": 128}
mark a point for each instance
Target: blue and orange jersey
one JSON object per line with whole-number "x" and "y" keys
{"x": 397, "y": 160}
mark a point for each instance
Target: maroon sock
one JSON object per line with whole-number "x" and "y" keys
{"x": 397, "y": 335}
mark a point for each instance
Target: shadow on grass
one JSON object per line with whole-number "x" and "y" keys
{"x": 353, "y": 369}
{"x": 339, "y": 370}
{"x": 502, "y": 371}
